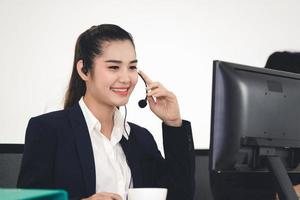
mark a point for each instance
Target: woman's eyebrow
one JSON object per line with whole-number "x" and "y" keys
{"x": 114, "y": 61}
{"x": 134, "y": 61}
{"x": 119, "y": 61}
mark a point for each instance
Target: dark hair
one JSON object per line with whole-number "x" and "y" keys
{"x": 284, "y": 61}
{"x": 88, "y": 46}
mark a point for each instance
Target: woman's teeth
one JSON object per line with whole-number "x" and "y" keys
{"x": 119, "y": 90}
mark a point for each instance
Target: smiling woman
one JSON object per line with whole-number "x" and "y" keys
{"x": 88, "y": 149}
{"x": 112, "y": 77}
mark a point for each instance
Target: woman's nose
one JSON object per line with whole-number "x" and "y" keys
{"x": 124, "y": 77}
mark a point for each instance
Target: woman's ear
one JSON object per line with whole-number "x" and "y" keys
{"x": 81, "y": 70}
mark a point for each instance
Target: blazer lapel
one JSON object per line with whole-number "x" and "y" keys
{"x": 84, "y": 147}
{"x": 132, "y": 157}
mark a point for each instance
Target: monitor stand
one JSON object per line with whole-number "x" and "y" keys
{"x": 275, "y": 165}
{"x": 286, "y": 191}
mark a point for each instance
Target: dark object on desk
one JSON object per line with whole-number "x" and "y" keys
{"x": 255, "y": 123}
{"x": 10, "y": 162}
{"x": 202, "y": 179}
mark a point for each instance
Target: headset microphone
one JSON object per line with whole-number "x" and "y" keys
{"x": 143, "y": 102}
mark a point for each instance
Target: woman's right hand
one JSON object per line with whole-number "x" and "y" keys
{"x": 104, "y": 196}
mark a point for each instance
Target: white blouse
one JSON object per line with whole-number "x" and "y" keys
{"x": 112, "y": 171}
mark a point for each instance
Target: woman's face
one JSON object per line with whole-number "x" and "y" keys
{"x": 114, "y": 74}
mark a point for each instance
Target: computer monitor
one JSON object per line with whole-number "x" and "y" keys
{"x": 255, "y": 122}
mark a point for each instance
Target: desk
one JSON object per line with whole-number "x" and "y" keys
{"x": 22, "y": 194}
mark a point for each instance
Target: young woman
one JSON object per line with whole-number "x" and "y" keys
{"x": 88, "y": 149}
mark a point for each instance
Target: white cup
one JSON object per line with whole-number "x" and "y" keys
{"x": 147, "y": 194}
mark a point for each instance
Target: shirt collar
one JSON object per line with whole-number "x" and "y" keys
{"x": 93, "y": 123}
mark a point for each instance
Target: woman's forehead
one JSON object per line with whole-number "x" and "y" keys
{"x": 122, "y": 50}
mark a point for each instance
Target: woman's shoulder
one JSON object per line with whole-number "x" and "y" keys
{"x": 139, "y": 132}
{"x": 45, "y": 127}
{"x": 54, "y": 118}
{"x": 51, "y": 115}
{"x": 58, "y": 115}
{"x": 144, "y": 139}
{"x": 135, "y": 128}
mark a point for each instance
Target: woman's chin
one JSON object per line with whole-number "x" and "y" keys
{"x": 121, "y": 103}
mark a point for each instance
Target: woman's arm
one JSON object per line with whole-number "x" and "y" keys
{"x": 180, "y": 159}
{"x": 178, "y": 170}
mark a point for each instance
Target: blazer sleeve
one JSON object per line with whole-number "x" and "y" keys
{"x": 38, "y": 157}
{"x": 180, "y": 161}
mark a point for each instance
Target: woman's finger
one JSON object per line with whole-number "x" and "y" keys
{"x": 154, "y": 85}
{"x": 145, "y": 77}
{"x": 113, "y": 196}
{"x": 104, "y": 196}
{"x": 151, "y": 101}
{"x": 158, "y": 93}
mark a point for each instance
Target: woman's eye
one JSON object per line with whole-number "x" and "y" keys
{"x": 113, "y": 67}
{"x": 133, "y": 68}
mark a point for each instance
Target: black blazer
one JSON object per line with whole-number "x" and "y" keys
{"x": 58, "y": 154}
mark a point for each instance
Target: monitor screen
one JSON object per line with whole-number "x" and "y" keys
{"x": 255, "y": 113}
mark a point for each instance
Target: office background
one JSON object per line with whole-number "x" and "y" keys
{"x": 176, "y": 42}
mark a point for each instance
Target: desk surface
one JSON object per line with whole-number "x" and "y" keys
{"x": 13, "y": 194}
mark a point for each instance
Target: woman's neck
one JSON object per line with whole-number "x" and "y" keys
{"x": 104, "y": 114}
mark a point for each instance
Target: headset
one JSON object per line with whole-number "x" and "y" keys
{"x": 143, "y": 102}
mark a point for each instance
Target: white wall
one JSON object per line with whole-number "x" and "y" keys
{"x": 176, "y": 42}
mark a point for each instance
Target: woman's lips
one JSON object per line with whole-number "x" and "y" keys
{"x": 120, "y": 90}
